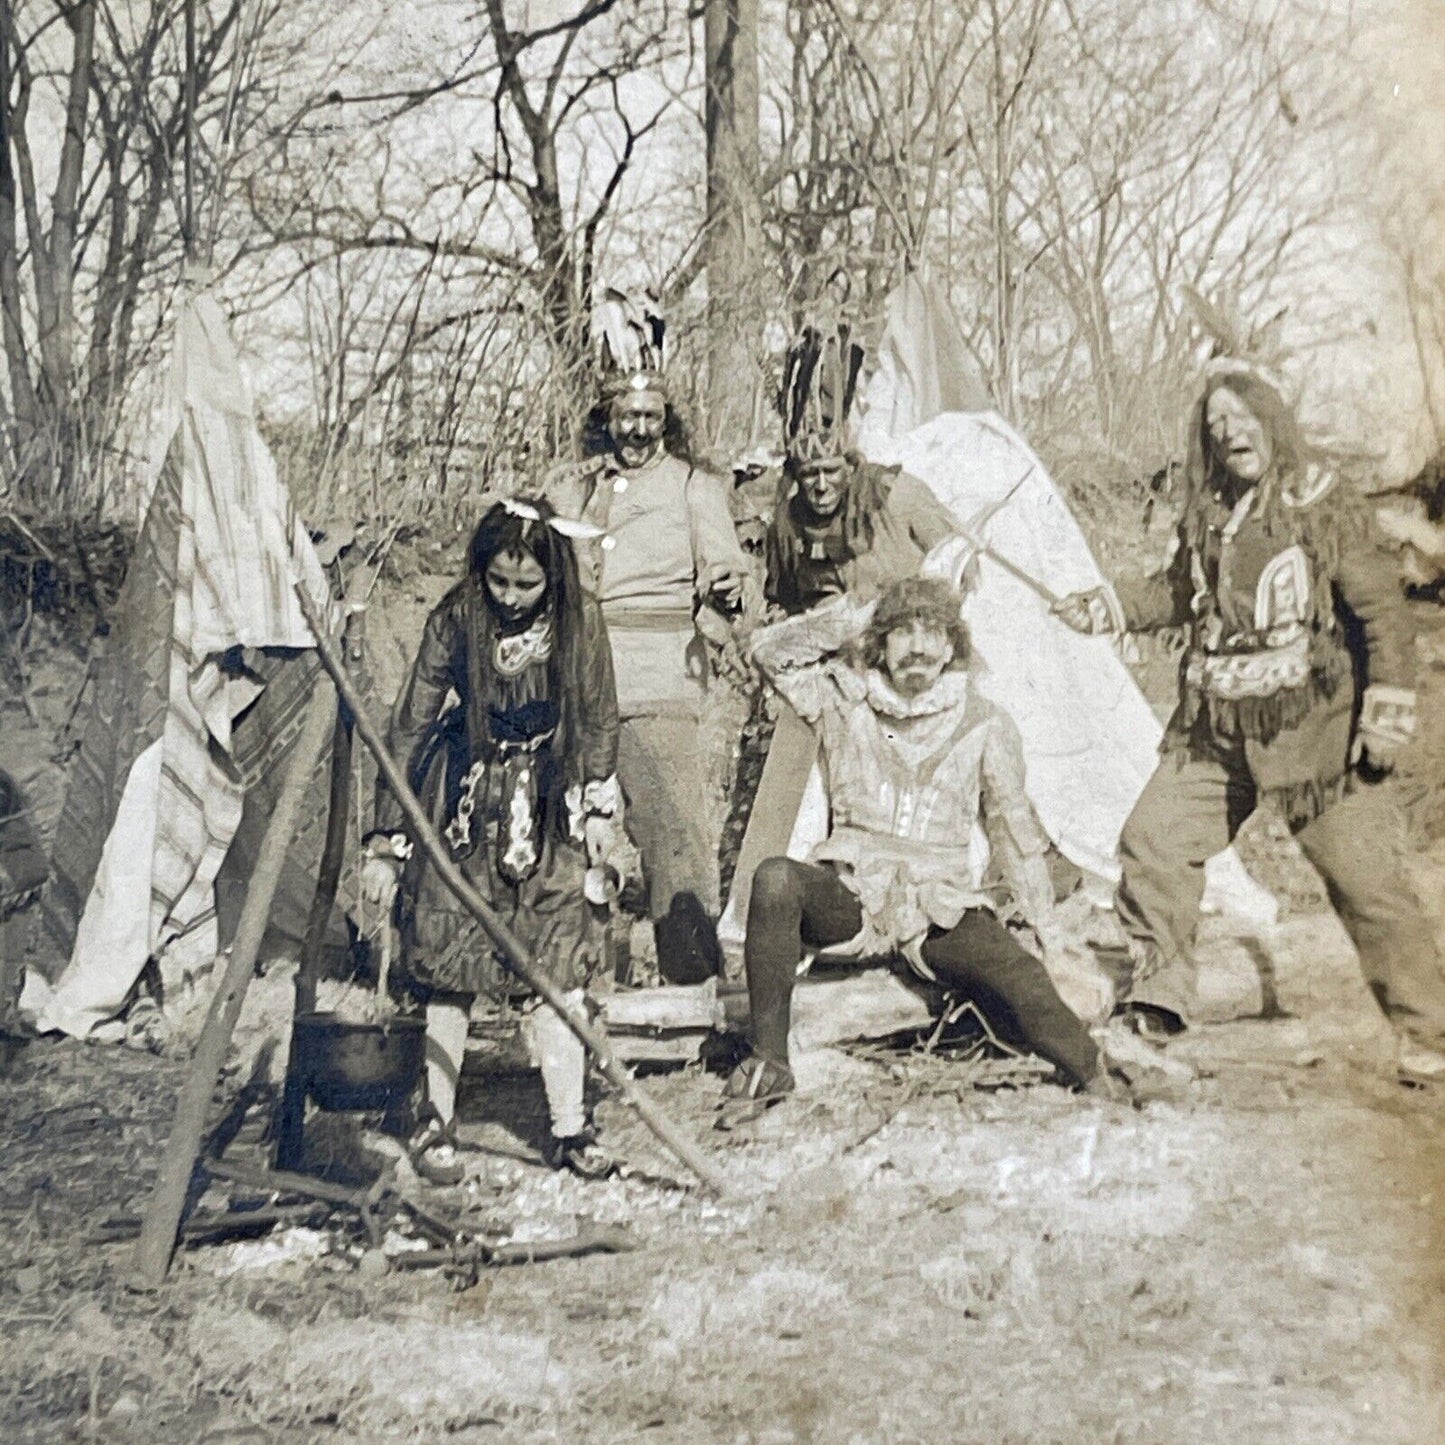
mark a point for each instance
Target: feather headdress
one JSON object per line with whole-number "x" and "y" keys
{"x": 1231, "y": 346}
{"x": 820, "y": 382}
{"x": 1250, "y": 360}
{"x": 629, "y": 333}
{"x": 1253, "y": 358}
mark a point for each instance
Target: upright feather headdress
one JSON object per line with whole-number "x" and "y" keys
{"x": 820, "y": 383}
{"x": 1229, "y": 346}
{"x": 629, "y": 333}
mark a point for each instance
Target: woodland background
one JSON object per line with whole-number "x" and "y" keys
{"x": 408, "y": 207}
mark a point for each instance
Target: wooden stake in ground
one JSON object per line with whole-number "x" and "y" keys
{"x": 502, "y": 936}
{"x": 163, "y": 1213}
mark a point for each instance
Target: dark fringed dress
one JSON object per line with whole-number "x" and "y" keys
{"x": 477, "y": 728}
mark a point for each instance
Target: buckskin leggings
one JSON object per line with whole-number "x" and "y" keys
{"x": 794, "y": 905}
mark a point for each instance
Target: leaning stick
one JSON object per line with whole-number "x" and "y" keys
{"x": 1012, "y": 568}
{"x": 163, "y": 1213}
{"x": 516, "y": 953}
{"x": 291, "y": 1120}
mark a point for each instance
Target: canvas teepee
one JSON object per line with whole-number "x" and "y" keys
{"x": 171, "y": 731}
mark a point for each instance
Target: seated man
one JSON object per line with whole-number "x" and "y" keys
{"x": 838, "y": 524}
{"x": 914, "y": 756}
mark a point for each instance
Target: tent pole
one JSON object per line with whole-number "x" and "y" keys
{"x": 308, "y": 970}
{"x": 520, "y": 961}
{"x": 163, "y": 1213}
{"x": 329, "y": 874}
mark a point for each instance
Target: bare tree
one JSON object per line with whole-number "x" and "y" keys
{"x": 1066, "y": 168}
{"x": 87, "y": 235}
{"x": 1146, "y": 172}
{"x": 446, "y": 223}
{"x": 1390, "y": 147}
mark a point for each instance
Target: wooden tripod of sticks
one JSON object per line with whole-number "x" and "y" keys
{"x": 162, "y": 1220}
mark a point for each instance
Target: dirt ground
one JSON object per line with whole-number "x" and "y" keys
{"x": 913, "y": 1254}
{"x": 909, "y": 1258}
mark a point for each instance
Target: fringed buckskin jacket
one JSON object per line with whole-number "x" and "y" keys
{"x": 1290, "y": 612}
{"x": 908, "y": 781}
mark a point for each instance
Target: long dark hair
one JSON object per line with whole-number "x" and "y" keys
{"x": 503, "y": 529}
{"x": 1322, "y": 525}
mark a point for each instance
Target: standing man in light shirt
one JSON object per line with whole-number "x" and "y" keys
{"x": 667, "y": 570}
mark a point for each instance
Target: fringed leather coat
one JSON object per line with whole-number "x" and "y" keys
{"x": 1288, "y": 616}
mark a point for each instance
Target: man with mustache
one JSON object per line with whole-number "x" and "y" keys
{"x": 837, "y": 524}
{"x": 667, "y": 568}
{"x": 915, "y": 757}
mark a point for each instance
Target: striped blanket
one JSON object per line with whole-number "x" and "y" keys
{"x": 157, "y": 786}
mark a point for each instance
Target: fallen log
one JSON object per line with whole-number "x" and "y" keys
{"x": 283, "y": 1181}
{"x": 873, "y": 1004}
{"x": 517, "y": 956}
{"x": 373, "y": 1205}
{"x": 214, "y": 1226}
{"x": 455, "y": 1248}
{"x": 666, "y": 1009}
{"x": 831, "y": 1008}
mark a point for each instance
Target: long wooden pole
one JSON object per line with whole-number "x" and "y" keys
{"x": 167, "y": 1203}
{"x": 328, "y": 874}
{"x": 502, "y": 936}
{"x": 291, "y": 1116}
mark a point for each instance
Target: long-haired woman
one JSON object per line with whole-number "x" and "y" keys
{"x": 507, "y": 727}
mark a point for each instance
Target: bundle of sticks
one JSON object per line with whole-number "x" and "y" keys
{"x": 279, "y": 1197}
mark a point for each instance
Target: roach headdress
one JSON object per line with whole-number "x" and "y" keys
{"x": 820, "y": 381}
{"x": 628, "y": 332}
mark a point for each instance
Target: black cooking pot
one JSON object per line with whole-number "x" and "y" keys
{"x": 359, "y": 1066}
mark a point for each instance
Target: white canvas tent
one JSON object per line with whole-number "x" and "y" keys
{"x": 1090, "y": 736}
{"x": 155, "y": 792}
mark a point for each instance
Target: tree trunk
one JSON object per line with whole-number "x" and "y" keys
{"x": 1005, "y": 363}
{"x": 565, "y": 311}
{"x": 22, "y": 391}
{"x": 57, "y": 311}
{"x": 734, "y": 318}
